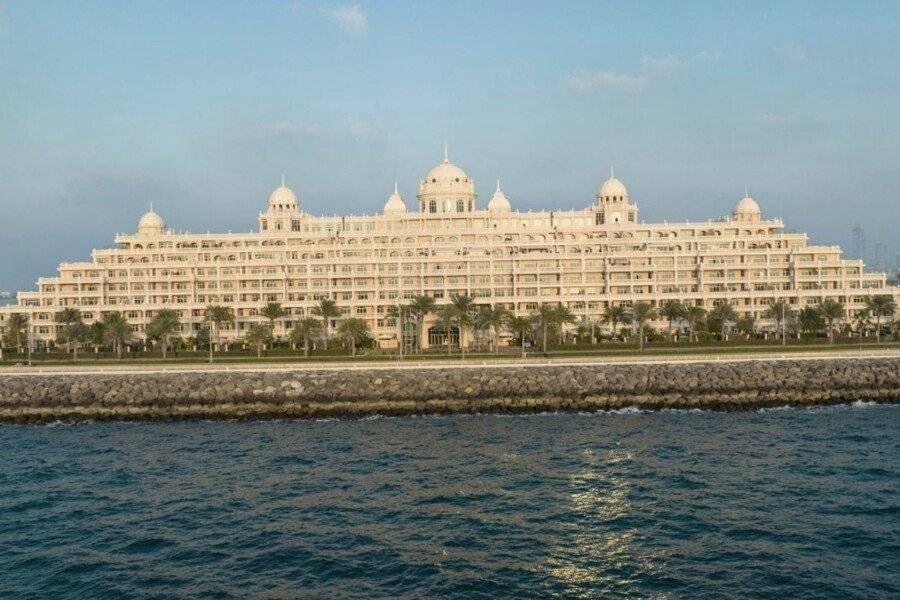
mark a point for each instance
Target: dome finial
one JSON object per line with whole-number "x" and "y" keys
{"x": 282, "y": 180}
{"x": 498, "y": 184}
{"x": 396, "y": 191}
{"x": 151, "y": 206}
{"x": 446, "y": 153}
{"x": 746, "y": 191}
{"x": 612, "y": 172}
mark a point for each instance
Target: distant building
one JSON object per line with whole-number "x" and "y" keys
{"x": 586, "y": 259}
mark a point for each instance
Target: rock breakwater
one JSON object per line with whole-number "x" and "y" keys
{"x": 309, "y": 393}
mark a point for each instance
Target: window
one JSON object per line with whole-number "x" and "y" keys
{"x": 295, "y": 225}
{"x": 265, "y": 225}
{"x": 432, "y": 206}
{"x": 460, "y": 206}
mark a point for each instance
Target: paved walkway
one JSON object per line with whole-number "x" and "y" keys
{"x": 131, "y": 368}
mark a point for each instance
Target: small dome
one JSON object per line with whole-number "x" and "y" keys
{"x": 746, "y": 205}
{"x": 746, "y": 209}
{"x": 395, "y": 202}
{"x": 499, "y": 202}
{"x": 612, "y": 187}
{"x": 283, "y": 197}
{"x": 151, "y": 223}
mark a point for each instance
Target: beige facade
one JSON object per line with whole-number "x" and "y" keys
{"x": 585, "y": 259}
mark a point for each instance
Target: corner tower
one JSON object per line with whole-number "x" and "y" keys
{"x": 613, "y": 204}
{"x": 283, "y": 211}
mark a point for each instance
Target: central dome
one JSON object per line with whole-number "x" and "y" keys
{"x": 446, "y": 172}
{"x": 446, "y": 189}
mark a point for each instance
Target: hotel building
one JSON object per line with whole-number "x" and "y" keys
{"x": 586, "y": 259}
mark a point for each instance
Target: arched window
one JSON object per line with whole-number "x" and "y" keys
{"x": 460, "y": 206}
{"x": 432, "y": 206}
{"x": 470, "y": 206}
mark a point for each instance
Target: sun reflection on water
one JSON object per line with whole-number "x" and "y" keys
{"x": 600, "y": 553}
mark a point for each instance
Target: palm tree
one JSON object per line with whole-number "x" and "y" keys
{"x": 862, "y": 320}
{"x": 778, "y": 311}
{"x": 563, "y": 316}
{"x": 215, "y": 316}
{"x": 831, "y": 311}
{"x": 16, "y": 330}
{"x": 446, "y": 316}
{"x": 615, "y": 315}
{"x": 258, "y": 335}
{"x": 97, "y": 335}
{"x": 673, "y": 311}
{"x": 354, "y": 331}
{"x": 162, "y": 326}
{"x": 70, "y": 319}
{"x": 116, "y": 331}
{"x": 492, "y": 318}
{"x": 76, "y": 334}
{"x": 641, "y": 312}
{"x": 880, "y": 306}
{"x": 273, "y": 312}
{"x": 521, "y": 326}
{"x": 695, "y": 316}
{"x": 747, "y": 326}
{"x": 720, "y": 316}
{"x": 305, "y": 330}
{"x": 326, "y": 310}
{"x": 465, "y": 317}
{"x": 418, "y": 309}
{"x": 545, "y": 317}
{"x": 810, "y": 320}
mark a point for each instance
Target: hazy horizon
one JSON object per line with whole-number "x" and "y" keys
{"x": 200, "y": 108}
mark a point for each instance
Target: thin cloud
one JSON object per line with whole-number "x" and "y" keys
{"x": 281, "y": 130}
{"x": 295, "y": 7}
{"x": 771, "y": 119}
{"x": 584, "y": 81}
{"x": 796, "y": 53}
{"x": 669, "y": 62}
{"x": 364, "y": 128}
{"x": 4, "y": 20}
{"x": 351, "y": 18}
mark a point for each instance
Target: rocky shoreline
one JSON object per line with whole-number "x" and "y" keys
{"x": 353, "y": 393}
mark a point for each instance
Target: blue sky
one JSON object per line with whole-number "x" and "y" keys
{"x": 199, "y": 107}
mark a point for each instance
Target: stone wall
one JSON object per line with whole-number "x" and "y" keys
{"x": 738, "y": 385}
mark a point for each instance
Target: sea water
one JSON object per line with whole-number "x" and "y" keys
{"x": 792, "y": 503}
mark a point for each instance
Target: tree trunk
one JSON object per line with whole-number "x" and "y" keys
{"x": 258, "y": 350}
{"x": 544, "y": 336}
{"x": 523, "y": 343}
{"x": 306, "y": 348}
{"x": 165, "y": 343}
{"x": 641, "y": 338}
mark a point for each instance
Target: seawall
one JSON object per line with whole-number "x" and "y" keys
{"x": 310, "y": 393}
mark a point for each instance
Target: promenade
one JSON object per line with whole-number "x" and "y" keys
{"x": 225, "y": 366}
